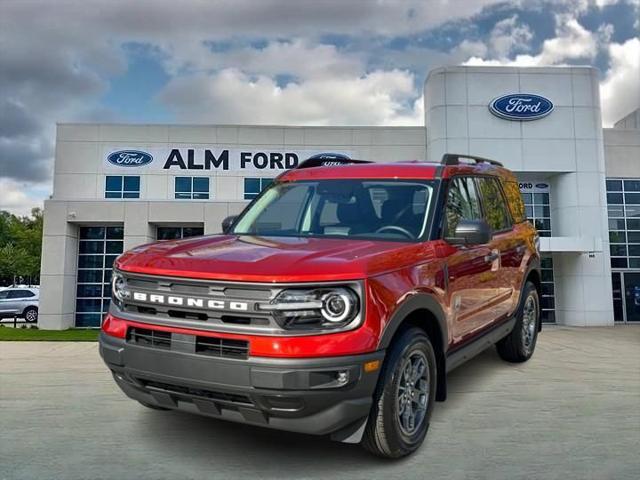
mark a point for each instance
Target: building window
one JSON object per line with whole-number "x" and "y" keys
{"x": 122, "y": 186}
{"x": 192, "y": 188}
{"x": 538, "y": 211}
{"x": 98, "y": 248}
{"x": 176, "y": 233}
{"x": 253, "y": 186}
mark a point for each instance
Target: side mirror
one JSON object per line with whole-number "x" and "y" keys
{"x": 471, "y": 232}
{"x": 227, "y": 223}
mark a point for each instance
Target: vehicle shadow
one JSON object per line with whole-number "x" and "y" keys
{"x": 237, "y": 447}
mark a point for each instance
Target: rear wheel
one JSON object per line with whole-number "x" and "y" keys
{"x": 404, "y": 398}
{"x": 519, "y": 345}
{"x": 30, "y": 314}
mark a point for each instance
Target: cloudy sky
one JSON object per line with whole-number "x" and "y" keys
{"x": 322, "y": 62}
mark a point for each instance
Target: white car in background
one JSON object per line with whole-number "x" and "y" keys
{"x": 21, "y": 302}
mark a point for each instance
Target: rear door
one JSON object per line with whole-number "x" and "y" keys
{"x": 468, "y": 268}
{"x": 505, "y": 249}
{"x": 8, "y": 302}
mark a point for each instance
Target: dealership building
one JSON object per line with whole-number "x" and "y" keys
{"x": 118, "y": 186}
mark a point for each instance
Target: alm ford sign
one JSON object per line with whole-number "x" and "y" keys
{"x": 130, "y": 158}
{"x": 521, "y": 106}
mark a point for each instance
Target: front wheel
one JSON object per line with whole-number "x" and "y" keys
{"x": 31, "y": 314}
{"x": 519, "y": 345}
{"x": 404, "y": 398}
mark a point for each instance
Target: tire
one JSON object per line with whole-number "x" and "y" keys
{"x": 518, "y": 346}
{"x": 387, "y": 434}
{"x": 153, "y": 407}
{"x": 30, "y": 314}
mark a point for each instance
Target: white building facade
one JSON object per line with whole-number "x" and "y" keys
{"x": 118, "y": 186}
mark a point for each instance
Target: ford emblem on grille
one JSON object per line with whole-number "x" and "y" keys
{"x": 521, "y": 106}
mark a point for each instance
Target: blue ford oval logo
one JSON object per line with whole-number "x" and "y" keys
{"x": 130, "y": 158}
{"x": 542, "y": 185}
{"x": 521, "y": 106}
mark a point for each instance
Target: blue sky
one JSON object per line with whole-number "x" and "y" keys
{"x": 274, "y": 62}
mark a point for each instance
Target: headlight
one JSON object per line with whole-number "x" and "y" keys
{"x": 119, "y": 289}
{"x": 318, "y": 308}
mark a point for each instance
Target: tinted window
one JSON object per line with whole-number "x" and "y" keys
{"x": 514, "y": 200}
{"x": 4, "y": 294}
{"x": 495, "y": 209}
{"x": 462, "y": 204}
{"x": 20, "y": 294}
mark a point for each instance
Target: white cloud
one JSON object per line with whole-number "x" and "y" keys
{"x": 20, "y": 197}
{"x": 508, "y": 36}
{"x": 620, "y": 90}
{"x": 232, "y": 96}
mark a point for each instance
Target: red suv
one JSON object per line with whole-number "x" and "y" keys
{"x": 336, "y": 303}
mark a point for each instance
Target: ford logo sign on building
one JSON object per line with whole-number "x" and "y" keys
{"x": 130, "y": 158}
{"x": 521, "y": 106}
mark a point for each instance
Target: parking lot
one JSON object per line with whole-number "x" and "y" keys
{"x": 572, "y": 412}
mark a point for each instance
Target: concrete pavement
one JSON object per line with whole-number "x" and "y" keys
{"x": 572, "y": 412}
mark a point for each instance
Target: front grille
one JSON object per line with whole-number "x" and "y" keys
{"x": 209, "y": 346}
{"x": 149, "y": 338}
{"x": 231, "y": 398}
{"x": 222, "y": 347}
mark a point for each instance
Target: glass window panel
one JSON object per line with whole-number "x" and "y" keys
{"x": 614, "y": 198}
{"x": 91, "y": 233}
{"x": 541, "y": 198}
{"x": 618, "y": 263}
{"x": 89, "y": 290}
{"x": 547, "y": 275}
{"x": 109, "y": 259}
{"x": 633, "y": 224}
{"x": 527, "y": 198}
{"x": 634, "y": 263}
{"x": 90, "y": 261}
{"x": 632, "y": 185}
{"x": 114, "y": 246}
{"x": 115, "y": 233}
{"x": 107, "y": 276}
{"x": 617, "y": 237}
{"x": 546, "y": 262}
{"x": 88, "y": 320}
{"x": 88, "y": 305}
{"x": 614, "y": 185}
{"x": 542, "y": 211}
{"x": 250, "y": 196}
{"x": 547, "y": 288}
{"x": 547, "y": 303}
{"x": 632, "y": 198}
{"x": 89, "y": 276}
{"x": 544, "y": 233}
{"x": 96, "y": 246}
{"x": 113, "y": 195}
{"x": 113, "y": 183}
{"x": 131, "y": 184}
{"x": 106, "y": 290}
{"x": 131, "y": 195}
{"x": 633, "y": 237}
{"x": 266, "y": 182}
{"x": 634, "y": 250}
{"x": 183, "y": 196}
{"x": 616, "y": 224}
{"x": 168, "y": 233}
{"x": 632, "y": 211}
{"x": 543, "y": 224}
{"x": 201, "y": 184}
{"x": 618, "y": 250}
{"x": 105, "y": 305}
{"x": 251, "y": 185}
{"x": 548, "y": 316}
{"x": 618, "y": 313}
{"x": 528, "y": 211}
{"x": 183, "y": 184}
{"x": 192, "y": 231}
{"x": 200, "y": 196}
{"x": 615, "y": 211}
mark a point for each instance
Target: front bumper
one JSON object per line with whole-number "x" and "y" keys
{"x": 298, "y": 395}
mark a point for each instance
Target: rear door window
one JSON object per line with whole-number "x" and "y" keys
{"x": 493, "y": 204}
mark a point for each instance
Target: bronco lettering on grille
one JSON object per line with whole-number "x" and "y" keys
{"x": 189, "y": 302}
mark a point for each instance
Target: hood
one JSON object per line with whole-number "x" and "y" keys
{"x": 271, "y": 259}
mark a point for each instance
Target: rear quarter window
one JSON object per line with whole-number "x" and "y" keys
{"x": 514, "y": 201}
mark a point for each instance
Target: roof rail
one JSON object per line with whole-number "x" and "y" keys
{"x": 454, "y": 159}
{"x": 329, "y": 160}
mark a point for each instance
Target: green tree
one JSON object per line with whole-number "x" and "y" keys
{"x": 20, "y": 246}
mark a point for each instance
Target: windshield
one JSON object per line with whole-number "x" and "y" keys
{"x": 380, "y": 209}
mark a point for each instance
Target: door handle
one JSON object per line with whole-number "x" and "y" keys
{"x": 491, "y": 257}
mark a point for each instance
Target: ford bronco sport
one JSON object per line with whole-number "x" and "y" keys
{"x": 335, "y": 303}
